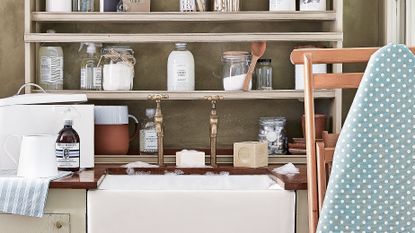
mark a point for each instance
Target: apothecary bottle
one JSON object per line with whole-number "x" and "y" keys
{"x": 50, "y": 68}
{"x": 68, "y": 148}
{"x": 263, "y": 74}
{"x": 181, "y": 69}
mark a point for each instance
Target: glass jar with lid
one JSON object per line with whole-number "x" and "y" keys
{"x": 118, "y": 68}
{"x": 235, "y": 68}
{"x": 272, "y": 131}
{"x": 263, "y": 74}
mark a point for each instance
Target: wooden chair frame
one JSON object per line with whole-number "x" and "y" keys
{"x": 308, "y": 57}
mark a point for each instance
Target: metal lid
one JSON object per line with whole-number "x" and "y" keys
{"x": 264, "y": 60}
{"x": 236, "y": 55}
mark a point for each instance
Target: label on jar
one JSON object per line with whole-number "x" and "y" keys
{"x": 68, "y": 155}
{"x": 148, "y": 140}
{"x": 51, "y": 69}
{"x": 181, "y": 73}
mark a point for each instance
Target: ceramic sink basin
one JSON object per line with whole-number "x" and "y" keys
{"x": 190, "y": 204}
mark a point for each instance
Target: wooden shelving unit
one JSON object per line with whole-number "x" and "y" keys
{"x": 34, "y": 18}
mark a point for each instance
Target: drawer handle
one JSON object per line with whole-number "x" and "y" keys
{"x": 58, "y": 225}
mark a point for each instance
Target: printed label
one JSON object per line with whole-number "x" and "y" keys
{"x": 181, "y": 74}
{"x": 97, "y": 74}
{"x": 68, "y": 155}
{"x": 148, "y": 141}
{"x": 51, "y": 69}
{"x": 84, "y": 78}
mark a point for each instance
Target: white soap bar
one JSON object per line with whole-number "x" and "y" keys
{"x": 190, "y": 158}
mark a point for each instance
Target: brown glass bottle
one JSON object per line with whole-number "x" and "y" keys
{"x": 68, "y": 151}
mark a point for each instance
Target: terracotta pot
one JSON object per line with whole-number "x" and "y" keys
{"x": 320, "y": 122}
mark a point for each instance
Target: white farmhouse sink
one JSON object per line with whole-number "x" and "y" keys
{"x": 190, "y": 204}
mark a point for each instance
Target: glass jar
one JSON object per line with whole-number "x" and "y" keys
{"x": 235, "y": 68}
{"x": 272, "y": 131}
{"x": 263, "y": 74}
{"x": 118, "y": 68}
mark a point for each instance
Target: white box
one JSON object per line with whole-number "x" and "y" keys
{"x": 20, "y": 120}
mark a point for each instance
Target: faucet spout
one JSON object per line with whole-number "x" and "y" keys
{"x": 214, "y": 119}
{"x": 158, "y": 121}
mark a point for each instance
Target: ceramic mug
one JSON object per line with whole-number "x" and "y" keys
{"x": 37, "y": 155}
{"x": 112, "y": 135}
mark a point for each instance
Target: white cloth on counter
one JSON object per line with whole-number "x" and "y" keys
{"x": 139, "y": 164}
{"x": 24, "y": 196}
{"x": 287, "y": 169}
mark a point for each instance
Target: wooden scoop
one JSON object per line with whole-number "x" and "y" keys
{"x": 257, "y": 50}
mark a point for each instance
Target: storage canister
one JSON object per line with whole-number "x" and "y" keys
{"x": 235, "y": 68}
{"x": 112, "y": 130}
{"x": 58, "y": 5}
{"x": 281, "y": 5}
{"x": 313, "y": 5}
{"x": 263, "y": 75}
{"x": 118, "y": 68}
{"x": 272, "y": 131}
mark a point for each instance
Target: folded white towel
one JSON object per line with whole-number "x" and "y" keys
{"x": 24, "y": 196}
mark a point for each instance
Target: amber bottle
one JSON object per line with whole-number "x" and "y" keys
{"x": 68, "y": 153}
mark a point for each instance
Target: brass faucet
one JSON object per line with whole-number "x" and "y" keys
{"x": 213, "y": 128}
{"x": 158, "y": 121}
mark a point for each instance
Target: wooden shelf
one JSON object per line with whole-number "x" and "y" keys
{"x": 200, "y": 95}
{"x": 182, "y": 37}
{"x": 170, "y": 159}
{"x": 183, "y": 17}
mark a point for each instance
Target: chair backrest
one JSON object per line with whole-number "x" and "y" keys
{"x": 308, "y": 57}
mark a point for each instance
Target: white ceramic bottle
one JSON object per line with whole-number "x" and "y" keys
{"x": 181, "y": 69}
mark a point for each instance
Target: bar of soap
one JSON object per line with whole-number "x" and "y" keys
{"x": 190, "y": 158}
{"x": 250, "y": 154}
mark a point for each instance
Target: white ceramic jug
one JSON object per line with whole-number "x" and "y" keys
{"x": 37, "y": 156}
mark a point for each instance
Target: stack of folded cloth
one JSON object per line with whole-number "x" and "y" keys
{"x": 24, "y": 196}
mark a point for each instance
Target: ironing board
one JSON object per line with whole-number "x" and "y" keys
{"x": 372, "y": 184}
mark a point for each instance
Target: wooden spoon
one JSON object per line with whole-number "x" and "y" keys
{"x": 257, "y": 50}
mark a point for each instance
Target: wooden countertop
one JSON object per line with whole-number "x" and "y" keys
{"x": 91, "y": 178}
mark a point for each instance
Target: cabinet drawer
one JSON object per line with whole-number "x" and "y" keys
{"x": 49, "y": 223}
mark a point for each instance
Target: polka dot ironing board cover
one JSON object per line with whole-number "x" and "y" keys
{"x": 372, "y": 184}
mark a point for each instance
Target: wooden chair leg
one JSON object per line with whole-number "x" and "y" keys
{"x": 321, "y": 173}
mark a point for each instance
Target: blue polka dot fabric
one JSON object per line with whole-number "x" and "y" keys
{"x": 372, "y": 184}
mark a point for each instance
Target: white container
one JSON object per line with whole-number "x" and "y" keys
{"x": 59, "y": 5}
{"x": 299, "y": 74}
{"x": 118, "y": 77}
{"x": 281, "y": 5}
{"x": 51, "y": 67}
{"x": 313, "y": 5}
{"x": 181, "y": 69}
{"x": 37, "y": 156}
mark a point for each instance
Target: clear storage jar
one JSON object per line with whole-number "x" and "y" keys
{"x": 235, "y": 68}
{"x": 272, "y": 131}
{"x": 118, "y": 68}
{"x": 263, "y": 74}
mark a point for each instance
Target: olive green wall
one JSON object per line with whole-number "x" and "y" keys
{"x": 187, "y": 122}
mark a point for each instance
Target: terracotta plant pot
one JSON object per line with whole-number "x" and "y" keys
{"x": 320, "y": 121}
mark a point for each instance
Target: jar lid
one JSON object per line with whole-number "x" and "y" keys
{"x": 236, "y": 55}
{"x": 272, "y": 120}
{"x": 118, "y": 48}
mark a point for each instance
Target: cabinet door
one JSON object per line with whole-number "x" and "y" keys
{"x": 49, "y": 223}
{"x": 65, "y": 212}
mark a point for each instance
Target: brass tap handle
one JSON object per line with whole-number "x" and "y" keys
{"x": 214, "y": 98}
{"x": 158, "y": 97}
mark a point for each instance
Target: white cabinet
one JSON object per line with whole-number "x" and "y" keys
{"x": 65, "y": 212}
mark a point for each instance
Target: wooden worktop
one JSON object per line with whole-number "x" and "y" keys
{"x": 91, "y": 178}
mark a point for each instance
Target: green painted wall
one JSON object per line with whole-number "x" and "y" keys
{"x": 187, "y": 122}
